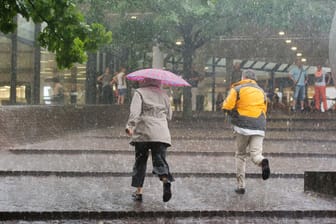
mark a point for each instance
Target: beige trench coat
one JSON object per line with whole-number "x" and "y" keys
{"x": 149, "y": 114}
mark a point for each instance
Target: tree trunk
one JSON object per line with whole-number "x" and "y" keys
{"x": 187, "y": 73}
{"x": 13, "y": 66}
{"x": 37, "y": 66}
{"x": 91, "y": 90}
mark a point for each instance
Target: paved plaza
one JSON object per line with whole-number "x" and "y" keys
{"x": 84, "y": 176}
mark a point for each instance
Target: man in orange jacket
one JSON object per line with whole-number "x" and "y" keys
{"x": 246, "y": 104}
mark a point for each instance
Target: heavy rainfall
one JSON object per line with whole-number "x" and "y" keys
{"x": 88, "y": 89}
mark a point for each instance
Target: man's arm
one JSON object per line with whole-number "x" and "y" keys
{"x": 230, "y": 101}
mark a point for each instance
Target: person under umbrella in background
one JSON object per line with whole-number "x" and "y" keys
{"x": 247, "y": 106}
{"x": 148, "y": 127}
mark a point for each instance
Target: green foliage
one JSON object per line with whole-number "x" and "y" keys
{"x": 137, "y": 33}
{"x": 8, "y": 10}
{"x": 65, "y": 33}
{"x": 195, "y": 22}
{"x": 132, "y": 38}
{"x": 293, "y": 16}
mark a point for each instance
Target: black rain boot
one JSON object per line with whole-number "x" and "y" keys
{"x": 166, "y": 192}
{"x": 266, "y": 171}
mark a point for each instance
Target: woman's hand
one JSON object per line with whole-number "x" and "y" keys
{"x": 129, "y": 131}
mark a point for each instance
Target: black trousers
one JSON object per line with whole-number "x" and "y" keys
{"x": 199, "y": 103}
{"x": 107, "y": 95}
{"x": 160, "y": 165}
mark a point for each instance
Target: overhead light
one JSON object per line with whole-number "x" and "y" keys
{"x": 293, "y": 48}
{"x": 133, "y": 17}
{"x": 281, "y": 33}
{"x": 303, "y": 59}
{"x": 299, "y": 54}
{"x": 178, "y": 43}
{"x": 288, "y": 41}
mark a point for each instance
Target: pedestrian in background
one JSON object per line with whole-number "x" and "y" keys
{"x": 106, "y": 82}
{"x": 122, "y": 87}
{"x": 57, "y": 92}
{"x": 219, "y": 101}
{"x": 299, "y": 77}
{"x": 247, "y": 106}
{"x": 320, "y": 88}
{"x": 148, "y": 127}
{"x": 177, "y": 95}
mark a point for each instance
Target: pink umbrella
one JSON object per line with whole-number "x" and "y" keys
{"x": 166, "y": 77}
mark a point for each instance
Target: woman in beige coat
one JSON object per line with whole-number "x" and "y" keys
{"x": 148, "y": 127}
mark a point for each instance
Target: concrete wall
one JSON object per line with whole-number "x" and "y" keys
{"x": 20, "y": 124}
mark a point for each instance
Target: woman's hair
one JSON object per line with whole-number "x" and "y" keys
{"x": 150, "y": 82}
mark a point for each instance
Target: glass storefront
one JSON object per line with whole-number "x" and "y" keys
{"x": 72, "y": 80}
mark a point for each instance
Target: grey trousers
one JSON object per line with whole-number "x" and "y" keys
{"x": 251, "y": 144}
{"x": 160, "y": 165}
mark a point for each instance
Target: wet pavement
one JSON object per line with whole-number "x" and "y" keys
{"x": 120, "y": 162}
{"x": 87, "y": 175}
{"x": 52, "y": 193}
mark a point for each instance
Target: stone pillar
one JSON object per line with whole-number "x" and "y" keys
{"x": 157, "y": 57}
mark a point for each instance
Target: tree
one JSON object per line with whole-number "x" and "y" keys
{"x": 132, "y": 38}
{"x": 196, "y": 22}
{"x": 65, "y": 31}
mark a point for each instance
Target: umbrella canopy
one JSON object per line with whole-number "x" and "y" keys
{"x": 166, "y": 77}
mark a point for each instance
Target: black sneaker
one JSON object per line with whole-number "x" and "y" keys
{"x": 137, "y": 197}
{"x": 166, "y": 192}
{"x": 240, "y": 190}
{"x": 266, "y": 171}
